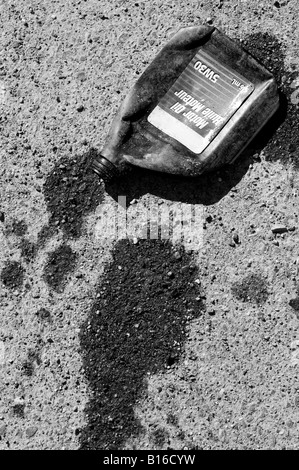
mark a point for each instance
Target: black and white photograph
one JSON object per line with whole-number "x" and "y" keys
{"x": 149, "y": 228}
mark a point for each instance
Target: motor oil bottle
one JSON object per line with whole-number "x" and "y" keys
{"x": 195, "y": 107}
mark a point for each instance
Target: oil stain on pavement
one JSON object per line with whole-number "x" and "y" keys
{"x": 284, "y": 143}
{"x": 253, "y": 288}
{"x": 136, "y": 326}
{"x": 60, "y": 263}
{"x": 71, "y": 191}
{"x": 12, "y": 275}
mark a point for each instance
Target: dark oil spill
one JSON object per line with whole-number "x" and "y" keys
{"x": 60, "y": 264}
{"x": 138, "y": 321}
{"x": 253, "y": 288}
{"x": 71, "y": 191}
{"x": 12, "y": 275}
{"x": 283, "y": 144}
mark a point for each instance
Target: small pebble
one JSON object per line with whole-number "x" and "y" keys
{"x": 81, "y": 76}
{"x": 279, "y": 228}
{"x": 31, "y": 431}
{"x": 236, "y": 238}
{"x": 80, "y": 108}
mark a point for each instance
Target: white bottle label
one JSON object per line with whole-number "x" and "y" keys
{"x": 200, "y": 102}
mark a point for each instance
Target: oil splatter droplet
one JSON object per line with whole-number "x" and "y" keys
{"x": 12, "y": 275}
{"x": 253, "y": 288}
{"x": 71, "y": 191}
{"x": 60, "y": 263}
{"x": 269, "y": 50}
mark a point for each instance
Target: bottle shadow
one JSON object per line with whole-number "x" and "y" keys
{"x": 207, "y": 188}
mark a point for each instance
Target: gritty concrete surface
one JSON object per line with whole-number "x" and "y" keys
{"x": 226, "y": 375}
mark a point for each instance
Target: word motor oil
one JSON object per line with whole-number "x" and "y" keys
{"x": 195, "y": 107}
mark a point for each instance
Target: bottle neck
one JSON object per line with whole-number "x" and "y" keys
{"x": 104, "y": 168}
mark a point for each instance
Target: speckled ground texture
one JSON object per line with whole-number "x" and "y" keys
{"x": 140, "y": 344}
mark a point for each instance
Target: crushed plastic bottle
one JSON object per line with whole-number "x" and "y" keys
{"x": 195, "y": 108}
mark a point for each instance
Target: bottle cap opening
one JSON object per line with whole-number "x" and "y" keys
{"x": 104, "y": 168}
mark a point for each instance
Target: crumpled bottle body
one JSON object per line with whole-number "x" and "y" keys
{"x": 133, "y": 139}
